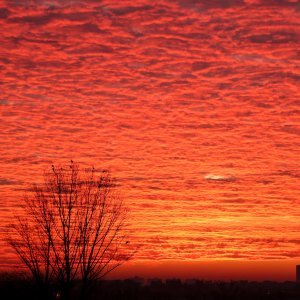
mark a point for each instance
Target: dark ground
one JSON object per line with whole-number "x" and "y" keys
{"x": 18, "y": 287}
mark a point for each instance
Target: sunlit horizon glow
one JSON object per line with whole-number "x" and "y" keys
{"x": 192, "y": 105}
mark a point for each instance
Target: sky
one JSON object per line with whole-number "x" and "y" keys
{"x": 193, "y": 105}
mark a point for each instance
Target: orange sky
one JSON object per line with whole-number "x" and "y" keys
{"x": 194, "y": 107}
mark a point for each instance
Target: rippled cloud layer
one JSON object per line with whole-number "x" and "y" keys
{"x": 193, "y": 105}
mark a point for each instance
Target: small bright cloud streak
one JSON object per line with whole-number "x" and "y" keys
{"x": 216, "y": 177}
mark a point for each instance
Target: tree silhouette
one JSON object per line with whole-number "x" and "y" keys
{"x": 71, "y": 229}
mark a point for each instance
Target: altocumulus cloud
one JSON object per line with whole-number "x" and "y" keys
{"x": 4, "y": 181}
{"x": 216, "y": 177}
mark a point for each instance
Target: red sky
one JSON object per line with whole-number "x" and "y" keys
{"x": 194, "y": 107}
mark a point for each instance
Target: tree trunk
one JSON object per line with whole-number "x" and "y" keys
{"x": 66, "y": 292}
{"x": 83, "y": 288}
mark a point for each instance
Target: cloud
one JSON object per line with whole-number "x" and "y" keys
{"x": 130, "y": 10}
{"x": 279, "y": 37}
{"x": 284, "y": 3}
{"x": 200, "y": 65}
{"x": 45, "y": 3}
{"x": 157, "y": 94}
{"x": 4, "y": 13}
{"x": 293, "y": 129}
{"x": 4, "y": 181}
{"x": 216, "y": 177}
{"x": 4, "y": 102}
{"x": 91, "y": 49}
{"x": 291, "y": 173}
{"x": 210, "y": 4}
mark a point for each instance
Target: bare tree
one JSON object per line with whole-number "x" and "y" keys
{"x": 72, "y": 228}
